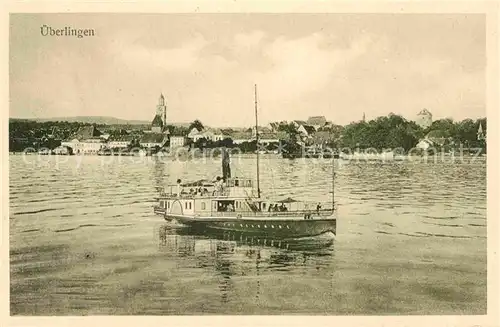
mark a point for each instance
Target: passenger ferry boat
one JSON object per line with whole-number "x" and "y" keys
{"x": 233, "y": 204}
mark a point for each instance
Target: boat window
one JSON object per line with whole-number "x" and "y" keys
{"x": 162, "y": 204}
{"x": 263, "y": 206}
{"x": 168, "y": 205}
{"x": 190, "y": 205}
{"x": 236, "y": 182}
{"x": 186, "y": 205}
{"x": 225, "y": 205}
{"x": 203, "y": 207}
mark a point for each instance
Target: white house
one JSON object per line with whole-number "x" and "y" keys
{"x": 152, "y": 140}
{"x": 195, "y": 134}
{"x": 120, "y": 142}
{"x": 87, "y": 140}
{"x": 424, "y": 144}
{"x": 86, "y": 146}
{"x": 177, "y": 141}
{"x": 212, "y": 134}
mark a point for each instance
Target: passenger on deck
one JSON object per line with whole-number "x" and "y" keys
{"x": 318, "y": 208}
{"x": 283, "y": 208}
{"x": 179, "y": 187}
{"x": 230, "y": 207}
{"x": 218, "y": 185}
{"x": 271, "y": 207}
{"x": 221, "y": 207}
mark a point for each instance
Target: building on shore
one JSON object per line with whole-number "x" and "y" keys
{"x": 153, "y": 140}
{"x": 424, "y": 144}
{"x": 158, "y": 135}
{"x": 424, "y": 118}
{"x": 63, "y": 150}
{"x": 159, "y": 123}
{"x": 306, "y": 131}
{"x": 177, "y": 141}
{"x": 240, "y": 137}
{"x": 120, "y": 142}
{"x": 317, "y": 121}
{"x": 209, "y": 134}
{"x": 481, "y": 136}
{"x": 87, "y": 140}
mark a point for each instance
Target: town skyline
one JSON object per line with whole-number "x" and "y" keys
{"x": 334, "y": 65}
{"x": 109, "y": 120}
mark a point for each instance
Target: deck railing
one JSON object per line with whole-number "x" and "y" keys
{"x": 247, "y": 213}
{"x": 322, "y": 212}
{"x": 187, "y": 195}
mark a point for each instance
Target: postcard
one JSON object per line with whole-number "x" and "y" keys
{"x": 273, "y": 162}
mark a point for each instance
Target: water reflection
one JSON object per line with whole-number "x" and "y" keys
{"x": 160, "y": 176}
{"x": 231, "y": 256}
{"x": 185, "y": 240}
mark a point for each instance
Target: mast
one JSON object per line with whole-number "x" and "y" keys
{"x": 257, "y": 142}
{"x": 333, "y": 182}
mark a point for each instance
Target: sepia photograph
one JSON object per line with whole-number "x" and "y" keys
{"x": 186, "y": 164}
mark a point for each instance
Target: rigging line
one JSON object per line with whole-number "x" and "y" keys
{"x": 273, "y": 183}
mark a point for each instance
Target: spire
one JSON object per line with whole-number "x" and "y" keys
{"x": 364, "y": 118}
{"x": 161, "y": 101}
{"x": 164, "y": 112}
{"x": 480, "y": 133}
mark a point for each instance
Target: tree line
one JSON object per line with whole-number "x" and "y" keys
{"x": 394, "y": 131}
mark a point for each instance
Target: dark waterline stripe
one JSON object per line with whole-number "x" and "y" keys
{"x": 36, "y": 211}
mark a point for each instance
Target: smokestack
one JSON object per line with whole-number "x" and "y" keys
{"x": 226, "y": 167}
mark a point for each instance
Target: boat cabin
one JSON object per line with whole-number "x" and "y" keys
{"x": 206, "y": 198}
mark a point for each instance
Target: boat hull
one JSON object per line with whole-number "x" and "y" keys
{"x": 277, "y": 228}
{"x": 244, "y": 239}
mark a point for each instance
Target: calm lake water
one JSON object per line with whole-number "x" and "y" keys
{"x": 411, "y": 239}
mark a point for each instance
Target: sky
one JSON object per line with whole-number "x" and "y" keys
{"x": 336, "y": 65}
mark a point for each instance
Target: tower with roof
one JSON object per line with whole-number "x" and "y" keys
{"x": 424, "y": 118}
{"x": 159, "y": 123}
{"x": 480, "y": 133}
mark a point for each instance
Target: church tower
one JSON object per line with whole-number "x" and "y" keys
{"x": 161, "y": 109}
{"x": 160, "y": 121}
{"x": 480, "y": 133}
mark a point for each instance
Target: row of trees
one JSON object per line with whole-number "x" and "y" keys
{"x": 393, "y": 131}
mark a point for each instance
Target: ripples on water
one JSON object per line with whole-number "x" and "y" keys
{"x": 83, "y": 240}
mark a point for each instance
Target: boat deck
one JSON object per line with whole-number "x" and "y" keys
{"x": 257, "y": 215}
{"x": 262, "y": 218}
